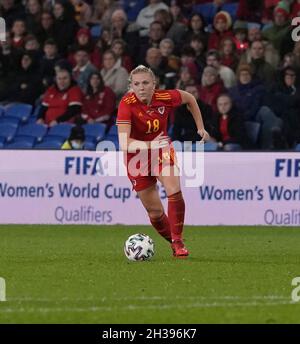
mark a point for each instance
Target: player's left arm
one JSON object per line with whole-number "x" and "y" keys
{"x": 188, "y": 99}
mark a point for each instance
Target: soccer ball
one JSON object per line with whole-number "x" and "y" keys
{"x": 139, "y": 247}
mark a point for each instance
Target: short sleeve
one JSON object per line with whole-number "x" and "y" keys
{"x": 124, "y": 113}
{"x": 75, "y": 96}
{"x": 46, "y": 98}
{"x": 176, "y": 98}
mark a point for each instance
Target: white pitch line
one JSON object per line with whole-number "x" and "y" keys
{"x": 151, "y": 298}
{"x": 143, "y": 307}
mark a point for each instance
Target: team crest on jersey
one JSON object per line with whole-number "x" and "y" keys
{"x": 161, "y": 110}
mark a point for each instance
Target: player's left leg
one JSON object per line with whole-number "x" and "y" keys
{"x": 176, "y": 208}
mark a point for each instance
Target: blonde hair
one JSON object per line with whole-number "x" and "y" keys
{"x": 141, "y": 69}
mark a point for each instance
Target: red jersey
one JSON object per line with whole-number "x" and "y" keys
{"x": 58, "y": 101}
{"x": 147, "y": 121}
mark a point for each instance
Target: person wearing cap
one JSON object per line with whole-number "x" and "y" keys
{"x": 84, "y": 41}
{"x": 281, "y": 27}
{"x": 75, "y": 140}
{"x": 240, "y": 30}
{"x": 222, "y": 24}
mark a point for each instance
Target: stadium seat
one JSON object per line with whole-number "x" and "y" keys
{"x": 2, "y": 140}
{"x": 232, "y": 147}
{"x": 207, "y": 10}
{"x": 62, "y": 130}
{"x": 252, "y": 129}
{"x": 37, "y": 131}
{"x": 49, "y": 143}
{"x": 89, "y": 145}
{"x": 7, "y": 131}
{"x": 95, "y": 131}
{"x": 113, "y": 131}
{"x": 132, "y": 8}
{"x": 21, "y": 111}
{"x": 13, "y": 121}
{"x": 231, "y": 8}
{"x": 170, "y": 130}
{"x": 210, "y": 146}
{"x": 24, "y": 138}
{"x": 19, "y": 145}
{"x": 2, "y": 110}
{"x": 297, "y": 148}
{"x": 96, "y": 31}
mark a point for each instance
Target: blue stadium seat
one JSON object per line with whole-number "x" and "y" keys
{"x": 2, "y": 140}
{"x": 95, "y": 131}
{"x": 63, "y": 130}
{"x": 21, "y": 111}
{"x": 49, "y": 143}
{"x": 297, "y": 148}
{"x": 231, "y": 8}
{"x": 132, "y": 8}
{"x": 37, "y": 131}
{"x": 89, "y": 145}
{"x": 113, "y": 130}
{"x": 7, "y": 131}
{"x": 19, "y": 145}
{"x": 210, "y": 146}
{"x": 96, "y": 31}
{"x": 24, "y": 138}
{"x": 13, "y": 121}
{"x": 170, "y": 130}
{"x": 252, "y": 130}
{"x": 232, "y": 147}
{"x": 207, "y": 10}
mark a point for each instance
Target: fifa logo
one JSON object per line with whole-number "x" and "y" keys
{"x": 2, "y": 30}
{"x": 296, "y": 31}
{"x": 2, "y": 290}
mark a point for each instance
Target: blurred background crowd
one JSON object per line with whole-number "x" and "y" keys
{"x": 70, "y": 61}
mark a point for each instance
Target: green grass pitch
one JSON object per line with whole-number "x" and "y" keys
{"x": 79, "y": 274}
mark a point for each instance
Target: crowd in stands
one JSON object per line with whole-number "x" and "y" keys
{"x": 70, "y": 60}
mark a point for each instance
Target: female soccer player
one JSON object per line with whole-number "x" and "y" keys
{"x": 142, "y": 127}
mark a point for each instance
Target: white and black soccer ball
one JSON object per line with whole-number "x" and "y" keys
{"x": 139, "y": 247}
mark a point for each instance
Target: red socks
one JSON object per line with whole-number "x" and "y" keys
{"x": 176, "y": 210}
{"x": 162, "y": 226}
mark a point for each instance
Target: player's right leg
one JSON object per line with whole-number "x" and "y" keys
{"x": 152, "y": 203}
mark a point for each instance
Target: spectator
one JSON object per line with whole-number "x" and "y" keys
{"x": 65, "y": 25}
{"x": 146, "y": 15}
{"x": 118, "y": 46}
{"x": 156, "y": 34}
{"x": 186, "y": 77}
{"x": 83, "y": 12}
{"x": 83, "y": 68}
{"x": 261, "y": 69}
{"x": 196, "y": 26}
{"x": 32, "y": 45}
{"x": 33, "y": 16}
{"x": 18, "y": 33}
{"x": 75, "y": 140}
{"x": 174, "y": 30}
{"x": 211, "y": 87}
{"x": 114, "y": 76}
{"x": 213, "y": 59}
{"x": 48, "y": 62}
{"x": 10, "y": 11}
{"x": 222, "y": 25}
{"x": 228, "y": 124}
{"x": 198, "y": 43}
{"x": 240, "y": 30}
{"x": 122, "y": 29}
{"x": 46, "y": 29}
{"x": 84, "y": 41}
{"x": 184, "y": 125}
{"x": 62, "y": 102}
{"x": 248, "y": 94}
{"x": 228, "y": 53}
{"x": 166, "y": 47}
{"x": 99, "y": 103}
{"x": 281, "y": 27}
{"x": 254, "y": 32}
{"x": 27, "y": 84}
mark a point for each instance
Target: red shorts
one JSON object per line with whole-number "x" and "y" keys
{"x": 152, "y": 171}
